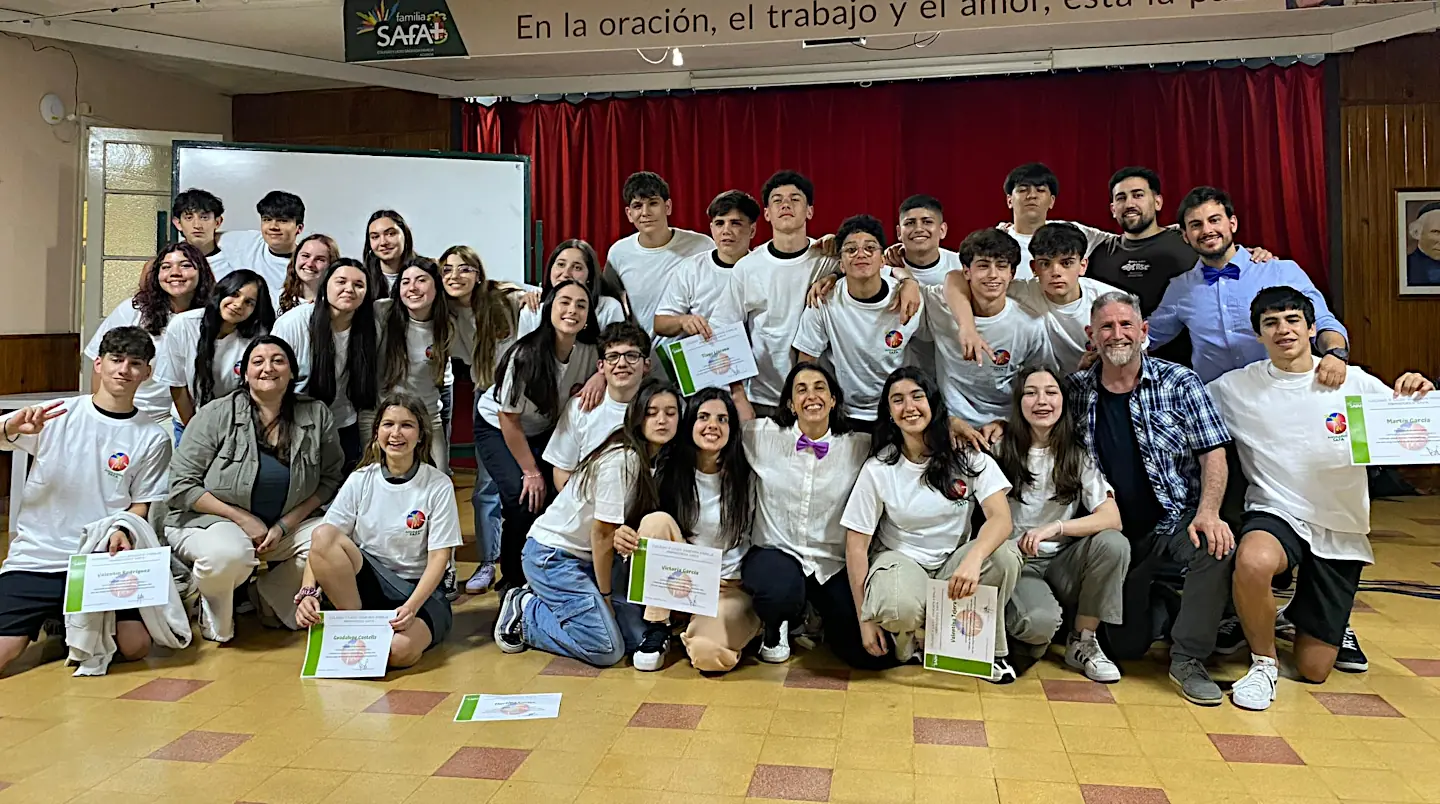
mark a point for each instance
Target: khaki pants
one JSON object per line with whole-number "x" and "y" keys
{"x": 713, "y": 643}
{"x": 221, "y": 558}
{"x": 895, "y": 590}
{"x": 1086, "y": 577}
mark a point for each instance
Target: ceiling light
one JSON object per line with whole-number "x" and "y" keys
{"x": 676, "y": 59}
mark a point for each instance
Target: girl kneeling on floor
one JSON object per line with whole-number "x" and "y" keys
{"x": 564, "y": 606}
{"x": 388, "y": 536}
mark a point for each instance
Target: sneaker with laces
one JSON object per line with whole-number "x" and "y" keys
{"x": 482, "y": 580}
{"x": 1351, "y": 659}
{"x": 1001, "y": 672}
{"x": 1084, "y": 654}
{"x": 1256, "y": 690}
{"x": 509, "y": 625}
{"x": 650, "y": 656}
{"x": 1230, "y": 638}
{"x": 1194, "y": 681}
{"x": 450, "y": 586}
{"x": 775, "y": 647}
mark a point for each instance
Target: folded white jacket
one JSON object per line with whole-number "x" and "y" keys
{"x": 91, "y": 637}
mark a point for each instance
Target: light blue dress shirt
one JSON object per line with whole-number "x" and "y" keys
{"x": 1218, "y": 315}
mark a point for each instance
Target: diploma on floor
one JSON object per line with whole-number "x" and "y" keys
{"x": 724, "y": 359}
{"x": 1390, "y": 431}
{"x": 960, "y": 634}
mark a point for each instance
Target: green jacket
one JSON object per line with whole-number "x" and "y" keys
{"x": 218, "y": 454}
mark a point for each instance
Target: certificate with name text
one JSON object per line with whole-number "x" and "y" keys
{"x": 349, "y": 644}
{"x": 675, "y": 575}
{"x": 1393, "y": 431}
{"x": 724, "y": 359}
{"x": 960, "y": 634}
{"x": 130, "y": 579}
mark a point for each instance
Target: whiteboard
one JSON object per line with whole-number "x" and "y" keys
{"x": 476, "y": 200}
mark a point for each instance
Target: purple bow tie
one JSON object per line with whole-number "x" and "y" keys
{"x": 1212, "y": 275}
{"x": 820, "y": 448}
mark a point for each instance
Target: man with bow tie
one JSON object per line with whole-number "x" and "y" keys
{"x": 1213, "y": 298}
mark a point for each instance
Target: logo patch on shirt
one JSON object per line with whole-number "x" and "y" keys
{"x": 957, "y": 490}
{"x": 1335, "y": 423}
{"x": 894, "y": 338}
{"x": 1002, "y": 357}
{"x": 117, "y": 463}
{"x": 430, "y": 352}
{"x": 415, "y": 520}
{"x": 236, "y": 368}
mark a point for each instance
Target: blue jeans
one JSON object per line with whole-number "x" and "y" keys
{"x": 568, "y": 616}
{"x": 485, "y": 500}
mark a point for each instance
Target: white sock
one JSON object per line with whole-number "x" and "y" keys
{"x": 1264, "y": 661}
{"x": 1086, "y": 634}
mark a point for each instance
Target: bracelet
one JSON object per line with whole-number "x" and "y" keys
{"x": 1061, "y": 523}
{"x": 307, "y": 591}
{"x": 533, "y": 473}
{"x": 284, "y": 529}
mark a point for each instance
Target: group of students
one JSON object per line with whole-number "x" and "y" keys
{"x": 987, "y": 416}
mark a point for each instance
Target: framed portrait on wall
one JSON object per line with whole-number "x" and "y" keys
{"x": 1417, "y": 213}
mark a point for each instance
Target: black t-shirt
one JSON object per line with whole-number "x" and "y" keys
{"x": 1120, "y": 460}
{"x": 1145, "y": 267}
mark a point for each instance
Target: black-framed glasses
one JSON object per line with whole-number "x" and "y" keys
{"x": 630, "y": 358}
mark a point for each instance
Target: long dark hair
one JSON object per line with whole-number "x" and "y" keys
{"x": 284, "y": 424}
{"x": 644, "y": 494}
{"x": 362, "y": 351}
{"x": 292, "y": 291}
{"x": 944, "y": 462}
{"x": 1064, "y": 443}
{"x": 533, "y": 357}
{"x": 397, "y": 357}
{"x": 373, "y": 269}
{"x": 598, "y": 281}
{"x": 785, "y": 417}
{"x": 153, "y": 301}
{"x": 261, "y": 319}
{"x": 675, "y": 475}
{"x": 493, "y": 305}
{"x": 374, "y": 454}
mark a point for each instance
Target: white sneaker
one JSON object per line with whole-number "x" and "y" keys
{"x": 1257, "y": 689}
{"x": 1084, "y": 654}
{"x": 779, "y": 652}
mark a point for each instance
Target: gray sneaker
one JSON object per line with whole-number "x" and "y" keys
{"x": 1194, "y": 682}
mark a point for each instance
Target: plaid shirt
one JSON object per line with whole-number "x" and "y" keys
{"x": 1175, "y": 420}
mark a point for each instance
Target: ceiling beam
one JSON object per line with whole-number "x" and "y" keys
{"x": 1428, "y": 19}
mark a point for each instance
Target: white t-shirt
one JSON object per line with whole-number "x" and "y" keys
{"x": 248, "y": 249}
{"x": 294, "y": 328}
{"x": 398, "y": 523}
{"x": 700, "y": 286}
{"x": 607, "y": 311}
{"x": 865, "y": 341}
{"x": 1039, "y": 508}
{"x": 707, "y": 526}
{"x": 419, "y": 349}
{"x": 87, "y": 466}
{"x": 152, "y": 398}
{"x": 935, "y": 274}
{"x": 1093, "y": 238}
{"x": 978, "y": 393}
{"x": 647, "y": 271}
{"x": 1290, "y": 433}
{"x": 798, "y": 499}
{"x": 581, "y": 432}
{"x": 894, "y": 504}
{"x": 566, "y": 524}
{"x": 921, "y": 351}
{"x": 569, "y": 377}
{"x": 175, "y": 366}
{"x": 1064, "y": 323}
{"x": 770, "y": 293}
{"x": 219, "y": 263}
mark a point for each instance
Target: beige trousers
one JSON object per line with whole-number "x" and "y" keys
{"x": 713, "y": 643}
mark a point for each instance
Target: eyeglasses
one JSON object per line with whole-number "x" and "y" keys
{"x": 630, "y": 358}
{"x": 869, "y": 249}
{"x": 463, "y": 270}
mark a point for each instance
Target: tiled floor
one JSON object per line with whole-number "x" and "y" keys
{"x": 236, "y": 723}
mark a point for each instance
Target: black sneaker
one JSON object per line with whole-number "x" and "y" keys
{"x": 1001, "y": 672}
{"x": 449, "y": 585}
{"x": 509, "y": 625}
{"x": 1351, "y": 659}
{"x": 1230, "y": 638}
{"x": 650, "y": 655}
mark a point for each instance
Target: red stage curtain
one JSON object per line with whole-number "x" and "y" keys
{"x": 1256, "y": 133}
{"x": 480, "y": 129}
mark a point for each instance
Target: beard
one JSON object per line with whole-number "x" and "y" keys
{"x": 1145, "y": 222}
{"x": 1120, "y": 354}
{"x": 1225, "y": 243}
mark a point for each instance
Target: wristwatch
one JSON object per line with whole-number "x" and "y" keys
{"x": 1340, "y": 353}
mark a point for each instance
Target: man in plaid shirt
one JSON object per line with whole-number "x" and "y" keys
{"x": 1157, "y": 436}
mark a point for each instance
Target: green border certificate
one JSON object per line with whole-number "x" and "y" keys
{"x": 348, "y": 644}
{"x": 724, "y": 359}
{"x": 675, "y": 576}
{"x": 130, "y": 579}
{"x": 1395, "y": 432}
{"x": 960, "y": 634}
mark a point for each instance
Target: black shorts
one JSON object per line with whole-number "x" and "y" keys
{"x": 1324, "y": 587}
{"x": 380, "y": 588}
{"x": 28, "y": 600}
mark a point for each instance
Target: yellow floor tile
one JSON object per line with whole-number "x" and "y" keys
{"x": 1367, "y": 785}
{"x": 1113, "y": 770}
{"x": 1034, "y": 736}
{"x": 534, "y": 793}
{"x": 562, "y": 767}
{"x": 469, "y": 791}
{"x": 723, "y": 746}
{"x": 712, "y": 777}
{"x": 955, "y": 790}
{"x": 1015, "y": 791}
{"x": 736, "y": 719}
{"x": 808, "y": 751}
{"x": 374, "y": 788}
{"x": 814, "y": 724}
{"x": 952, "y": 760}
{"x": 651, "y": 742}
{"x": 1094, "y": 740}
{"x": 1038, "y": 766}
{"x": 872, "y": 787}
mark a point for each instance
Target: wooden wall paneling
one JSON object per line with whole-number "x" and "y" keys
{"x": 364, "y": 117}
{"x": 36, "y": 363}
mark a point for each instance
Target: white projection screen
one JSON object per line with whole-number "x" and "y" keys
{"x": 448, "y": 199}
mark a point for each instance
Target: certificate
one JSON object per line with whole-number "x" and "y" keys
{"x": 676, "y": 576}
{"x": 130, "y": 579}
{"x": 349, "y": 644}
{"x": 475, "y": 708}
{"x": 1387, "y": 430}
{"x": 724, "y": 359}
{"x": 960, "y": 634}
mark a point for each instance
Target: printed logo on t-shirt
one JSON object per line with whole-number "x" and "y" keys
{"x": 957, "y": 490}
{"x": 415, "y": 520}
{"x": 1135, "y": 268}
{"x": 430, "y": 352}
{"x": 1335, "y": 423}
{"x": 1002, "y": 357}
{"x": 236, "y": 368}
{"x": 117, "y": 463}
{"x": 894, "y": 338}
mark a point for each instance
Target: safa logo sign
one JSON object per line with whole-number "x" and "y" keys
{"x": 405, "y": 29}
